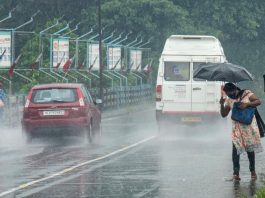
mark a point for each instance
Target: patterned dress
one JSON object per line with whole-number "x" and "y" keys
{"x": 246, "y": 138}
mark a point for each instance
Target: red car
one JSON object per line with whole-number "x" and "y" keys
{"x": 60, "y": 107}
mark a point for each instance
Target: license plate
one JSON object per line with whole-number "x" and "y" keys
{"x": 53, "y": 113}
{"x": 191, "y": 119}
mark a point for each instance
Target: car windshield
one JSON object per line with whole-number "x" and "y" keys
{"x": 54, "y": 95}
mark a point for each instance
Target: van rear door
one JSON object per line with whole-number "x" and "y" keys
{"x": 205, "y": 94}
{"x": 183, "y": 94}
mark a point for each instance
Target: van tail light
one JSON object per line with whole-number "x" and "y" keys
{"x": 158, "y": 92}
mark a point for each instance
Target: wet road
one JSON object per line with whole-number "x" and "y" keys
{"x": 130, "y": 160}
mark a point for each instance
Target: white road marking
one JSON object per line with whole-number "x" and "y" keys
{"x": 22, "y": 186}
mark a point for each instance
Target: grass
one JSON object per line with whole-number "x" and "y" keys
{"x": 260, "y": 193}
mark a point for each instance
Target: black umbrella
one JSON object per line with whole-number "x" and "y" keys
{"x": 227, "y": 72}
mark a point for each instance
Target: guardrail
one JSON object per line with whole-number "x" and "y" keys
{"x": 113, "y": 98}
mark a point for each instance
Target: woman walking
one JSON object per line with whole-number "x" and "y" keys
{"x": 245, "y": 137}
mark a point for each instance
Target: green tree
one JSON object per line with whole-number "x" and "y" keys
{"x": 152, "y": 18}
{"x": 231, "y": 19}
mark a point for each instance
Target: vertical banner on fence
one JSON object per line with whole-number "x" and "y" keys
{"x": 114, "y": 58}
{"x": 60, "y": 52}
{"x": 135, "y": 59}
{"x": 5, "y": 49}
{"x": 93, "y": 56}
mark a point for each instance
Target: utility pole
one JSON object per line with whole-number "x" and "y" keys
{"x": 100, "y": 54}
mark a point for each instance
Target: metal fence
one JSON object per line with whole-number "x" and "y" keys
{"x": 113, "y": 98}
{"x": 117, "y": 97}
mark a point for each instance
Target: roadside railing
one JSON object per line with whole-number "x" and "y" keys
{"x": 113, "y": 98}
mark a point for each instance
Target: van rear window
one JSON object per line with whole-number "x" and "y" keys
{"x": 54, "y": 95}
{"x": 176, "y": 71}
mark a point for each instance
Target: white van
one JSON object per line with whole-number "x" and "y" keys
{"x": 180, "y": 97}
